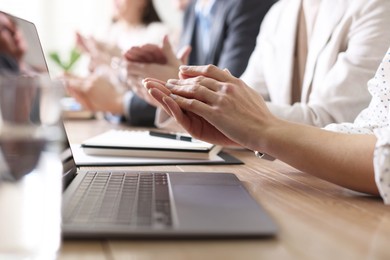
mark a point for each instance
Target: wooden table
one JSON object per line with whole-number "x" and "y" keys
{"x": 317, "y": 220}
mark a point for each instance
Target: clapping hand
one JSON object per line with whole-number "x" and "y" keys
{"x": 212, "y": 105}
{"x": 152, "y": 61}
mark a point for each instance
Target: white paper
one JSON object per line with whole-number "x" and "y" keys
{"x": 127, "y": 138}
{"x": 83, "y": 159}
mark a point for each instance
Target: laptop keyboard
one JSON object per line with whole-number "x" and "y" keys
{"x": 121, "y": 198}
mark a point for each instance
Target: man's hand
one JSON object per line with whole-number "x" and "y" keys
{"x": 152, "y": 61}
{"x": 148, "y": 53}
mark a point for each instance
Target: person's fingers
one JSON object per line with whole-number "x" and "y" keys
{"x": 92, "y": 48}
{"x": 175, "y": 111}
{"x": 81, "y": 42}
{"x": 168, "y": 50}
{"x": 190, "y": 121}
{"x": 129, "y": 54}
{"x": 74, "y": 83}
{"x": 136, "y": 68}
{"x": 202, "y": 81}
{"x": 227, "y": 70}
{"x": 195, "y": 106}
{"x": 159, "y": 97}
{"x": 81, "y": 98}
{"x": 194, "y": 91}
{"x": 184, "y": 54}
{"x": 139, "y": 55}
{"x": 154, "y": 80}
{"x": 149, "y": 53}
{"x": 156, "y": 52}
{"x": 209, "y": 71}
{"x": 156, "y": 84}
{"x": 135, "y": 54}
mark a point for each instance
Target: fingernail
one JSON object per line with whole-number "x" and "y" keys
{"x": 183, "y": 68}
{"x": 169, "y": 85}
{"x": 173, "y": 81}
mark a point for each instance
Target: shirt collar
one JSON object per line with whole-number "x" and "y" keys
{"x": 207, "y": 10}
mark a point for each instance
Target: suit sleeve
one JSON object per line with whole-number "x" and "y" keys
{"x": 243, "y": 25}
{"x": 140, "y": 113}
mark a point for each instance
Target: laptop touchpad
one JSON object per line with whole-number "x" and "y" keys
{"x": 215, "y": 207}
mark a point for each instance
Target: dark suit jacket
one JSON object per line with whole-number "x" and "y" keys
{"x": 234, "y": 32}
{"x": 141, "y": 113}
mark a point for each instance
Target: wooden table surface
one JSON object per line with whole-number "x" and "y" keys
{"x": 316, "y": 219}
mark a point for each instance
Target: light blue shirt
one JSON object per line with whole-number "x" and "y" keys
{"x": 204, "y": 15}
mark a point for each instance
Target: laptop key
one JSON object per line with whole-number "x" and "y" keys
{"x": 123, "y": 199}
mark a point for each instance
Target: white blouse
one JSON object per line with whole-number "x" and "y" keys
{"x": 375, "y": 120}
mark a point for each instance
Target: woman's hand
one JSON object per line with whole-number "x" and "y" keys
{"x": 99, "y": 52}
{"x": 214, "y": 106}
{"x": 194, "y": 124}
{"x": 96, "y": 93}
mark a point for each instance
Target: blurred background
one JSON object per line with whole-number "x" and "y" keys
{"x": 58, "y": 20}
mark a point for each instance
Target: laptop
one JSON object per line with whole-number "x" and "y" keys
{"x": 145, "y": 204}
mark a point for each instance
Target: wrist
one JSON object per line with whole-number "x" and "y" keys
{"x": 266, "y": 136}
{"x": 117, "y": 107}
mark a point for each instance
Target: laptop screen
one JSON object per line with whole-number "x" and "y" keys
{"x": 20, "y": 48}
{"x": 22, "y": 52}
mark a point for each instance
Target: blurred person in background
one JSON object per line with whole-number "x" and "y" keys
{"x": 311, "y": 60}
{"x": 221, "y": 32}
{"x": 135, "y": 22}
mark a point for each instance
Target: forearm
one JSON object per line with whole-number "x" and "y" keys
{"x": 236, "y": 112}
{"x": 344, "y": 159}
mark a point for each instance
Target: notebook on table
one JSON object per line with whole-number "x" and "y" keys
{"x": 83, "y": 159}
{"x": 117, "y": 203}
{"x": 132, "y": 143}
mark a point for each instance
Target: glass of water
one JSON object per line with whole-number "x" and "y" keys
{"x": 30, "y": 167}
